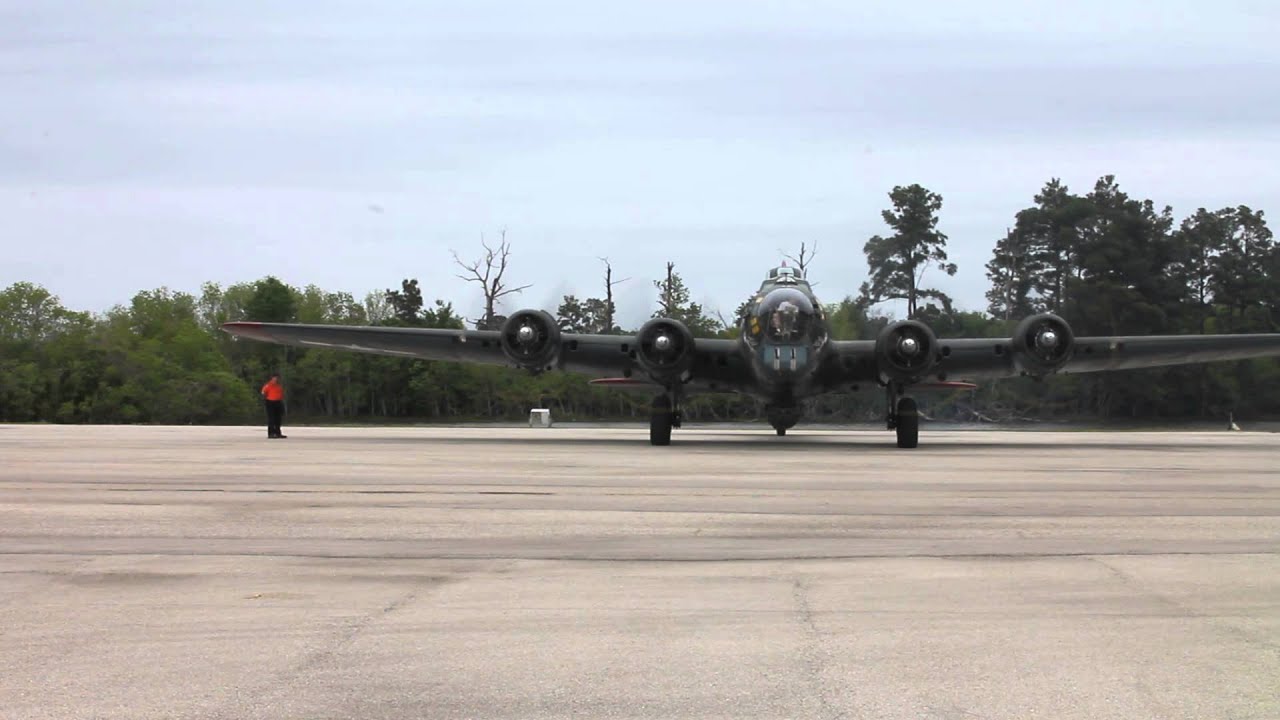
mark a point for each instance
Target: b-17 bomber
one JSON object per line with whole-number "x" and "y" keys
{"x": 783, "y": 354}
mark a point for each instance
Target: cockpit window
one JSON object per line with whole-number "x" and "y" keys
{"x": 784, "y": 317}
{"x": 784, "y": 275}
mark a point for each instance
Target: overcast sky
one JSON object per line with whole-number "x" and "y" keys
{"x": 351, "y": 144}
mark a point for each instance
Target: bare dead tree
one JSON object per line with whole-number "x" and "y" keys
{"x": 723, "y": 323}
{"x": 489, "y": 271}
{"x": 609, "y": 282}
{"x": 667, "y": 301}
{"x": 804, "y": 258}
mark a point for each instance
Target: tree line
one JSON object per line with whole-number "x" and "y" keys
{"x": 1108, "y": 263}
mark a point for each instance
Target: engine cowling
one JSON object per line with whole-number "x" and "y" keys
{"x": 531, "y": 339}
{"x": 905, "y": 351}
{"x": 664, "y": 349}
{"x": 1042, "y": 344}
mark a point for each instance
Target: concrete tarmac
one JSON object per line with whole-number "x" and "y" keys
{"x": 159, "y": 572}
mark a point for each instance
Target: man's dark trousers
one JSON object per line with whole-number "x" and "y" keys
{"x": 275, "y": 414}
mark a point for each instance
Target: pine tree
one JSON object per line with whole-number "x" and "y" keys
{"x": 898, "y": 263}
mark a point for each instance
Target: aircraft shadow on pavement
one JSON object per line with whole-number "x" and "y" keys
{"x": 798, "y": 442}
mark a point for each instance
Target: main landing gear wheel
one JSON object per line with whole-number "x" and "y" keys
{"x": 907, "y": 423}
{"x": 661, "y": 421}
{"x": 781, "y": 431}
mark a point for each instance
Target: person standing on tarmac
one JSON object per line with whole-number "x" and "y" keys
{"x": 273, "y": 394}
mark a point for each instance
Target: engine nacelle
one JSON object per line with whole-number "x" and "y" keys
{"x": 1042, "y": 344}
{"x": 531, "y": 338}
{"x": 905, "y": 351}
{"x": 664, "y": 349}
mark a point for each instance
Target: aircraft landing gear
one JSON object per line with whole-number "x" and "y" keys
{"x": 782, "y": 418}
{"x": 665, "y": 415}
{"x": 904, "y": 417}
{"x": 908, "y": 424}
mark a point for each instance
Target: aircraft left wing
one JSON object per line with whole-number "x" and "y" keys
{"x": 601, "y": 356}
{"x": 979, "y": 358}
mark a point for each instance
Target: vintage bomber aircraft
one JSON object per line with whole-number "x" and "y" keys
{"x": 783, "y": 354}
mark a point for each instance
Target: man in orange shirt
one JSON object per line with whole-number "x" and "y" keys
{"x": 273, "y": 394}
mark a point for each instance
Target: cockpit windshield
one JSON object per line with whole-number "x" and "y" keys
{"x": 784, "y": 317}
{"x": 784, "y": 275}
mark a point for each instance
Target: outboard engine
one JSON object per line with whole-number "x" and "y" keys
{"x": 531, "y": 339}
{"x": 1042, "y": 344}
{"x": 905, "y": 351}
{"x": 665, "y": 349}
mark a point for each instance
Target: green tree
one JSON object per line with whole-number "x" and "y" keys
{"x": 1054, "y": 227}
{"x": 1012, "y": 271}
{"x": 674, "y": 303}
{"x": 1125, "y": 281}
{"x": 46, "y": 358}
{"x": 898, "y": 263}
{"x": 406, "y": 303}
{"x": 592, "y": 316}
{"x": 600, "y": 317}
{"x": 162, "y": 367}
{"x": 442, "y": 316}
{"x": 850, "y": 319}
{"x": 316, "y": 305}
{"x": 272, "y": 301}
{"x": 377, "y": 309}
{"x": 1239, "y": 277}
{"x": 29, "y": 313}
{"x": 571, "y": 316}
{"x": 1199, "y": 240}
{"x": 217, "y": 305}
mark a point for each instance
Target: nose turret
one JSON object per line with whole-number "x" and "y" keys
{"x": 785, "y": 332}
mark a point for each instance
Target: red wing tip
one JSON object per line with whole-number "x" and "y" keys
{"x": 248, "y": 329}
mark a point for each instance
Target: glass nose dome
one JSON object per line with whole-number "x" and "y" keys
{"x": 785, "y": 316}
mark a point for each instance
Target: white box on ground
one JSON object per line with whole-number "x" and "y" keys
{"x": 540, "y": 417}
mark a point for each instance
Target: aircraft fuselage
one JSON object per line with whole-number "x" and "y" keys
{"x": 785, "y": 340}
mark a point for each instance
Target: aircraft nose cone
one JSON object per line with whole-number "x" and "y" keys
{"x": 909, "y": 346}
{"x": 662, "y": 343}
{"x": 526, "y": 335}
{"x": 1047, "y": 339}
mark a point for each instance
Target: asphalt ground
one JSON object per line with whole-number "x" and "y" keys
{"x": 164, "y": 572}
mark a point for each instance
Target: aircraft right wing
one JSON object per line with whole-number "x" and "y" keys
{"x": 477, "y": 346}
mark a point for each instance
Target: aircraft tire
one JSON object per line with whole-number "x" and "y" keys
{"x": 780, "y": 431}
{"x": 908, "y": 423}
{"x": 660, "y": 422}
